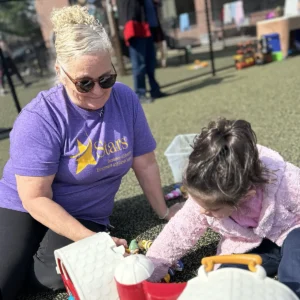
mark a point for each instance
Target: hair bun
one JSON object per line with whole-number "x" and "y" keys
{"x": 223, "y": 126}
{"x": 71, "y": 15}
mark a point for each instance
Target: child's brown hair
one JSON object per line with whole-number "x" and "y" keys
{"x": 224, "y": 164}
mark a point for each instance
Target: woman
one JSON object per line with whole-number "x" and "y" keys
{"x": 70, "y": 148}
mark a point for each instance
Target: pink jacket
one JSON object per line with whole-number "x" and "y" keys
{"x": 279, "y": 215}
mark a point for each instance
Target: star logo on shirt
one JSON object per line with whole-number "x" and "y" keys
{"x": 84, "y": 157}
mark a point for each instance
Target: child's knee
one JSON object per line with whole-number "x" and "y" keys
{"x": 292, "y": 239}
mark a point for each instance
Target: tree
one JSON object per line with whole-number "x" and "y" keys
{"x": 19, "y": 18}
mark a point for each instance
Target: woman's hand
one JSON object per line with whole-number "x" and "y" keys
{"x": 120, "y": 242}
{"x": 173, "y": 210}
{"x": 147, "y": 173}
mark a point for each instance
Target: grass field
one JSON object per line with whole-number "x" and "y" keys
{"x": 267, "y": 96}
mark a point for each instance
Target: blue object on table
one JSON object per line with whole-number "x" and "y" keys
{"x": 184, "y": 22}
{"x": 273, "y": 42}
{"x": 71, "y": 297}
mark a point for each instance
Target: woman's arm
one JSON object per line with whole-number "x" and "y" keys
{"x": 36, "y": 196}
{"x": 147, "y": 173}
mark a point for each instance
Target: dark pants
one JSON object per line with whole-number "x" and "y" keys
{"x": 284, "y": 261}
{"x": 143, "y": 60}
{"x": 27, "y": 254}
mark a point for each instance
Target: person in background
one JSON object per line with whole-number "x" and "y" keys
{"x": 136, "y": 18}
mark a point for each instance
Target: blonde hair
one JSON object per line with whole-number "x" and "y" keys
{"x": 77, "y": 33}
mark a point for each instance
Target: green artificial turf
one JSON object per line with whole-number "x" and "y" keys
{"x": 267, "y": 96}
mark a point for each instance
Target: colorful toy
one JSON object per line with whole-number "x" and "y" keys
{"x": 166, "y": 279}
{"x": 277, "y": 56}
{"x": 94, "y": 269}
{"x": 89, "y": 265}
{"x": 178, "y": 266}
{"x": 144, "y": 245}
{"x": 179, "y": 190}
{"x": 263, "y": 54}
{"x": 242, "y": 62}
{"x": 245, "y": 55}
{"x": 177, "y": 186}
{"x": 173, "y": 195}
{"x": 171, "y": 272}
{"x": 227, "y": 283}
{"x": 134, "y": 247}
{"x": 198, "y": 64}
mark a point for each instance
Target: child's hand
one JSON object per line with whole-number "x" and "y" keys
{"x": 120, "y": 242}
{"x": 174, "y": 209}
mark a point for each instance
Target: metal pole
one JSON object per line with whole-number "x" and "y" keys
{"x": 223, "y": 34}
{"x": 211, "y": 51}
{"x": 11, "y": 85}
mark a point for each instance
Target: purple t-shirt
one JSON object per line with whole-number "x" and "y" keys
{"x": 89, "y": 152}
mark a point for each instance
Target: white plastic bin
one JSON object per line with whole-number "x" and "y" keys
{"x": 177, "y": 154}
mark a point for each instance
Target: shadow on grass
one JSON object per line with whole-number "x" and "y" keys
{"x": 204, "y": 83}
{"x": 188, "y": 79}
{"x": 178, "y": 59}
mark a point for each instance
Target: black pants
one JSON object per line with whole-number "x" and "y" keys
{"x": 284, "y": 261}
{"x": 270, "y": 254}
{"x": 27, "y": 254}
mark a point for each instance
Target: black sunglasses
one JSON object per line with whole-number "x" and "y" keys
{"x": 87, "y": 84}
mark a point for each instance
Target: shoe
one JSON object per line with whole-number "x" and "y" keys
{"x": 145, "y": 99}
{"x": 160, "y": 95}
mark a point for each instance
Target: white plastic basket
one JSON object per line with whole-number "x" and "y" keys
{"x": 177, "y": 154}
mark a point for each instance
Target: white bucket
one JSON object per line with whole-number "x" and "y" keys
{"x": 177, "y": 154}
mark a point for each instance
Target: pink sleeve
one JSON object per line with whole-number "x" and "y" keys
{"x": 288, "y": 192}
{"x": 179, "y": 235}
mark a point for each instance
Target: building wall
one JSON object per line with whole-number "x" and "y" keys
{"x": 44, "y": 9}
{"x": 201, "y": 16}
{"x": 169, "y": 9}
{"x": 185, "y": 6}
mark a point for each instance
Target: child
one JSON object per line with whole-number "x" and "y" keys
{"x": 245, "y": 192}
